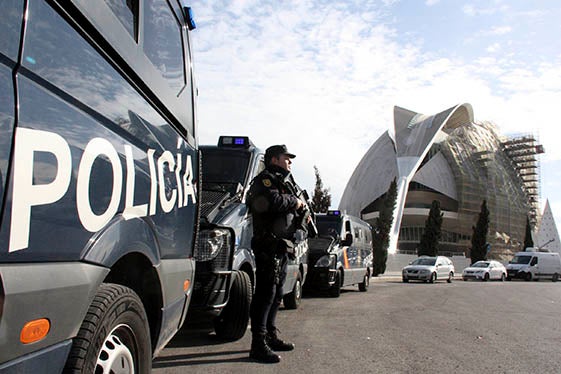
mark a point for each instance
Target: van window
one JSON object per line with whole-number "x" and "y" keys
{"x": 162, "y": 42}
{"x": 534, "y": 261}
{"x": 127, "y": 13}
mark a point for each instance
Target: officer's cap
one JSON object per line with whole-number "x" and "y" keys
{"x": 276, "y": 151}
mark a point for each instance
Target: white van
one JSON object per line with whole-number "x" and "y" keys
{"x": 535, "y": 265}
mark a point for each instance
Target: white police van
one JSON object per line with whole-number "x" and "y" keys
{"x": 98, "y": 183}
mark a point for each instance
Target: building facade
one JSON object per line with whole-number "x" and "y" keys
{"x": 450, "y": 158}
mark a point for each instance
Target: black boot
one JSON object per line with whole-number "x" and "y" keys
{"x": 261, "y": 352}
{"x": 277, "y": 344}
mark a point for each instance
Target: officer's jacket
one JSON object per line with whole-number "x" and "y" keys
{"x": 272, "y": 205}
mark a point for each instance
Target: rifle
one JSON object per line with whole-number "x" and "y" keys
{"x": 306, "y": 211}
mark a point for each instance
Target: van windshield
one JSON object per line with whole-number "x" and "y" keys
{"x": 224, "y": 169}
{"x": 523, "y": 260}
{"x": 329, "y": 225}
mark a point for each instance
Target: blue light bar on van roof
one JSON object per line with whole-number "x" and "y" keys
{"x": 234, "y": 141}
{"x": 333, "y": 212}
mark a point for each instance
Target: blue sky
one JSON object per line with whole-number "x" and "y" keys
{"x": 291, "y": 71}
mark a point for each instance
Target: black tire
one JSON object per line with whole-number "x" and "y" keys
{"x": 405, "y": 280}
{"x": 503, "y": 277}
{"x": 114, "y": 335}
{"x": 528, "y": 277}
{"x": 432, "y": 278}
{"x": 293, "y": 299}
{"x": 335, "y": 289}
{"x": 363, "y": 287}
{"x": 486, "y": 277}
{"x": 464, "y": 279}
{"x": 555, "y": 277}
{"x": 232, "y": 322}
{"x": 450, "y": 277}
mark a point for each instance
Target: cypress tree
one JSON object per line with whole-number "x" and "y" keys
{"x": 428, "y": 245}
{"x": 381, "y": 231}
{"x": 479, "y": 237}
{"x": 321, "y": 200}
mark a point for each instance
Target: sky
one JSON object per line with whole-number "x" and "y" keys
{"x": 324, "y": 76}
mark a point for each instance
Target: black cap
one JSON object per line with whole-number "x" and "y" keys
{"x": 277, "y": 150}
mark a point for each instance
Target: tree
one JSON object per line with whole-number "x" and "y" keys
{"x": 381, "y": 230}
{"x": 528, "y": 241}
{"x": 479, "y": 238}
{"x": 321, "y": 200}
{"x": 428, "y": 246}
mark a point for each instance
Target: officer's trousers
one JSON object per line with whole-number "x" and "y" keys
{"x": 267, "y": 298}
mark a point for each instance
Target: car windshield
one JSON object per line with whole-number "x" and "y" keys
{"x": 480, "y": 265}
{"x": 328, "y": 225}
{"x": 224, "y": 169}
{"x": 521, "y": 260}
{"x": 424, "y": 261}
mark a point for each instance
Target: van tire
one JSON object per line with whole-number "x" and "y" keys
{"x": 555, "y": 277}
{"x": 232, "y": 322}
{"x": 115, "y": 332}
{"x": 363, "y": 287}
{"x": 528, "y": 277}
{"x": 335, "y": 289}
{"x": 486, "y": 277}
{"x": 292, "y": 300}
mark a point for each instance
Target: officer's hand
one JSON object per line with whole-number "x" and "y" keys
{"x": 299, "y": 204}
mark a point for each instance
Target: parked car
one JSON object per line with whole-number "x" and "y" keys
{"x": 429, "y": 269}
{"x": 484, "y": 271}
{"x": 534, "y": 265}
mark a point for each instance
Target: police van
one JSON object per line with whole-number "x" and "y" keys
{"x": 98, "y": 183}
{"x": 341, "y": 255}
{"x": 225, "y": 278}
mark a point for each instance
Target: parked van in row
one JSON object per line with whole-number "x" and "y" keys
{"x": 534, "y": 265}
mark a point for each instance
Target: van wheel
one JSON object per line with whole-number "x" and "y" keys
{"x": 555, "y": 277}
{"x": 363, "y": 287}
{"x": 335, "y": 289}
{"x": 450, "y": 277}
{"x": 231, "y": 324}
{"x": 114, "y": 336}
{"x": 528, "y": 277}
{"x": 486, "y": 277}
{"x": 292, "y": 300}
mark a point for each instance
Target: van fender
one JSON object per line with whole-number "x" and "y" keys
{"x": 241, "y": 256}
{"x": 119, "y": 238}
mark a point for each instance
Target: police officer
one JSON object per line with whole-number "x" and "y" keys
{"x": 275, "y": 209}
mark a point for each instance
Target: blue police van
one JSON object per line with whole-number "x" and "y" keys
{"x": 99, "y": 168}
{"x": 225, "y": 275}
{"x": 341, "y": 255}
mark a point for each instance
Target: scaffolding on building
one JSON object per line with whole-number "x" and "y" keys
{"x": 523, "y": 151}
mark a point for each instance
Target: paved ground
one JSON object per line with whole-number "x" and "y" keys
{"x": 463, "y": 327}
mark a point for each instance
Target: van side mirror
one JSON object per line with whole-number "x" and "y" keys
{"x": 348, "y": 239}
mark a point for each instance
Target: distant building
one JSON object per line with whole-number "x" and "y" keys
{"x": 450, "y": 158}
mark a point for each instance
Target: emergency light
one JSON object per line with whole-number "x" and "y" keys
{"x": 234, "y": 141}
{"x": 333, "y": 212}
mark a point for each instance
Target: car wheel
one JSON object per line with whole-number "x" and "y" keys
{"x": 432, "y": 278}
{"x": 231, "y": 324}
{"x": 465, "y": 279}
{"x": 486, "y": 277}
{"x": 450, "y": 277}
{"x": 555, "y": 277}
{"x": 363, "y": 287}
{"x": 335, "y": 289}
{"x": 528, "y": 277}
{"x": 405, "y": 280}
{"x": 292, "y": 300}
{"x": 114, "y": 336}
{"x": 503, "y": 277}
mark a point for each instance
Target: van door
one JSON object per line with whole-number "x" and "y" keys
{"x": 10, "y": 29}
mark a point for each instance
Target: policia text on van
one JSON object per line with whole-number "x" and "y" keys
{"x": 98, "y": 171}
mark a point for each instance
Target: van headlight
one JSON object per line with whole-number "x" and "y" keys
{"x": 325, "y": 261}
{"x": 212, "y": 242}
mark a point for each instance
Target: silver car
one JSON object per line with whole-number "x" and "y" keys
{"x": 429, "y": 269}
{"x": 485, "y": 270}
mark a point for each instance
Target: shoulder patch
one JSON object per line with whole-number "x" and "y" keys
{"x": 267, "y": 183}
